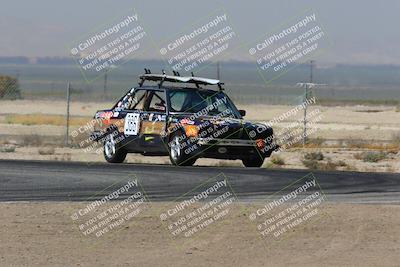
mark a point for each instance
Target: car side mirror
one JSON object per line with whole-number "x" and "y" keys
{"x": 242, "y": 112}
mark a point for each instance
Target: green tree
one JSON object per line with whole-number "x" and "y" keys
{"x": 9, "y": 87}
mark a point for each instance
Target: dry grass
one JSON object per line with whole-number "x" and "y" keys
{"x": 394, "y": 146}
{"x": 228, "y": 163}
{"x": 277, "y": 160}
{"x": 42, "y": 119}
{"x": 371, "y": 156}
{"x": 314, "y": 156}
{"x": 33, "y": 140}
{"x": 47, "y": 150}
{"x": 63, "y": 157}
{"x": 325, "y": 166}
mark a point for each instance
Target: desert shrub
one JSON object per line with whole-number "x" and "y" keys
{"x": 317, "y": 141}
{"x": 396, "y": 138}
{"x": 63, "y": 157}
{"x": 371, "y": 156}
{"x": 316, "y": 165}
{"x": 7, "y": 148}
{"x": 350, "y": 167}
{"x": 329, "y": 166}
{"x": 352, "y": 143}
{"x": 277, "y": 160}
{"x": 310, "y": 164}
{"x": 314, "y": 156}
{"x": 47, "y": 150}
{"x": 9, "y": 87}
{"x": 32, "y": 140}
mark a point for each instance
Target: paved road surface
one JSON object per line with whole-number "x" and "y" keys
{"x": 75, "y": 181}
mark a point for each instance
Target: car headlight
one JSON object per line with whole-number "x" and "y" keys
{"x": 191, "y": 130}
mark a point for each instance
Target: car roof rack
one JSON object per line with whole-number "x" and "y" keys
{"x": 176, "y": 78}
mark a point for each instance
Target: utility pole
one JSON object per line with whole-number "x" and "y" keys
{"x": 311, "y": 70}
{"x": 305, "y": 114}
{"x": 307, "y": 86}
{"x": 218, "y": 73}
{"x": 68, "y": 100}
{"x": 305, "y": 100}
{"x": 105, "y": 86}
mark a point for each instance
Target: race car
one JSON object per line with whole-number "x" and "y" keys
{"x": 178, "y": 117}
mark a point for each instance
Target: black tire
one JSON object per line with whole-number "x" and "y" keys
{"x": 176, "y": 154}
{"x": 112, "y": 152}
{"x": 255, "y": 161}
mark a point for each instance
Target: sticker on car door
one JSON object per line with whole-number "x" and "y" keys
{"x": 132, "y": 124}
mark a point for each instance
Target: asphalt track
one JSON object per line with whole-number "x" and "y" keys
{"x": 77, "y": 181}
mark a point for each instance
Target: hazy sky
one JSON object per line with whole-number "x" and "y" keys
{"x": 362, "y": 31}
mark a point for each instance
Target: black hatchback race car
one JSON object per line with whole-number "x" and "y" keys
{"x": 184, "y": 122}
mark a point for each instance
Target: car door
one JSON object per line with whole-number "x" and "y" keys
{"x": 153, "y": 122}
{"x": 131, "y": 111}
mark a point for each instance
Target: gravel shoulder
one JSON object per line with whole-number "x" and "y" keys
{"x": 43, "y": 234}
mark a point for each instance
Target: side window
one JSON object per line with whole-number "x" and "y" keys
{"x": 177, "y": 101}
{"x": 126, "y": 101}
{"x": 138, "y": 100}
{"x": 157, "y": 102}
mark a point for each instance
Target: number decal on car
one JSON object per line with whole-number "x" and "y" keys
{"x": 132, "y": 124}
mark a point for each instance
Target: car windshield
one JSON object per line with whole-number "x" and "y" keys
{"x": 206, "y": 101}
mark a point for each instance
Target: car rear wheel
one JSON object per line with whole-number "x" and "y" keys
{"x": 255, "y": 161}
{"x": 112, "y": 152}
{"x": 177, "y": 153}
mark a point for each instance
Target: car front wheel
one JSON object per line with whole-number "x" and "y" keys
{"x": 112, "y": 152}
{"x": 177, "y": 153}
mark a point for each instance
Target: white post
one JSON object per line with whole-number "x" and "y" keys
{"x": 305, "y": 115}
{"x": 67, "y": 128}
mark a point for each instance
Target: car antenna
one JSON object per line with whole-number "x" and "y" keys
{"x": 197, "y": 85}
{"x": 146, "y": 71}
{"x": 161, "y": 82}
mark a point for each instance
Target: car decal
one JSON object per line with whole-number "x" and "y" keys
{"x": 148, "y": 127}
{"x": 132, "y": 124}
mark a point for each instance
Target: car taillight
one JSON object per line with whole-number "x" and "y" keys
{"x": 260, "y": 143}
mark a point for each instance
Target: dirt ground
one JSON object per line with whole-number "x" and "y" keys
{"x": 43, "y": 234}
